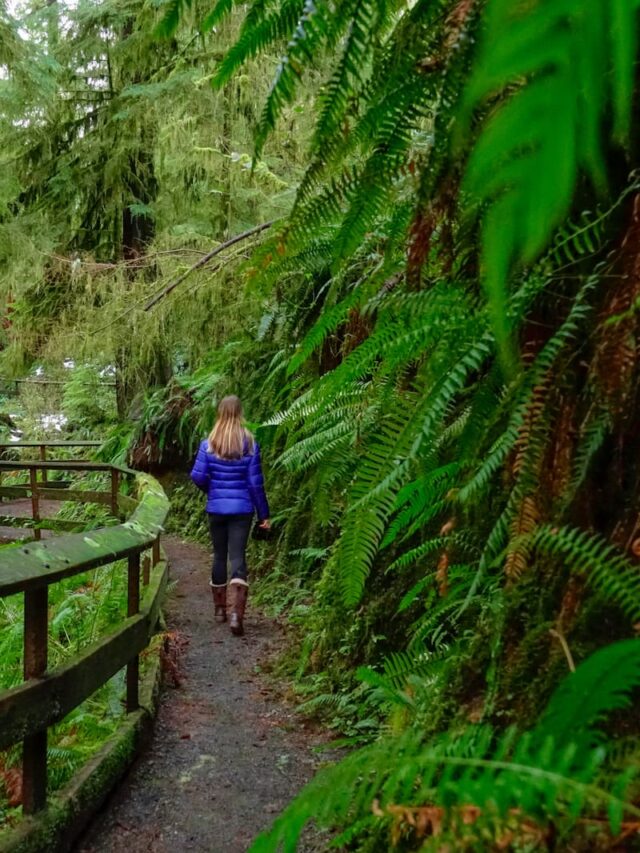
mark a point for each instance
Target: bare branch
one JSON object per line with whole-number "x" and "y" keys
{"x": 205, "y": 260}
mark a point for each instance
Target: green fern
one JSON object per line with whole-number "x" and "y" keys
{"x": 523, "y": 171}
{"x": 603, "y": 565}
{"x": 585, "y": 698}
{"x": 416, "y": 500}
{"x": 257, "y": 34}
{"x": 221, "y": 9}
{"x": 545, "y": 774}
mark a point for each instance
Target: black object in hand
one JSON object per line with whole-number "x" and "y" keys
{"x": 262, "y": 534}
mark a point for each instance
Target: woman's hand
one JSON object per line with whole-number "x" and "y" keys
{"x": 266, "y": 524}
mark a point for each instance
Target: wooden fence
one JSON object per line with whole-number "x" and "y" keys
{"x": 47, "y": 696}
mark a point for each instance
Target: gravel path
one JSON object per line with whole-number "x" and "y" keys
{"x": 227, "y": 753}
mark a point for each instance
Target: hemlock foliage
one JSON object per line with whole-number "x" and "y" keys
{"x": 438, "y": 337}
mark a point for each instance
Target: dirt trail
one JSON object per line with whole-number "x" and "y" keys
{"x": 226, "y": 754}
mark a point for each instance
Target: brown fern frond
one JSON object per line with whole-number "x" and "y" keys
{"x": 438, "y": 216}
{"x": 420, "y": 244}
{"x": 426, "y": 821}
{"x": 534, "y": 412}
{"x": 442, "y": 574}
{"x": 525, "y": 522}
{"x": 562, "y": 448}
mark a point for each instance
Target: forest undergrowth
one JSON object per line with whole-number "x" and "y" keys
{"x": 435, "y": 335}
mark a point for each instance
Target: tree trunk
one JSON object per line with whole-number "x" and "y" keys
{"x": 224, "y": 221}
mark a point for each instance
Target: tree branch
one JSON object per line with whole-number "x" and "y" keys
{"x": 205, "y": 260}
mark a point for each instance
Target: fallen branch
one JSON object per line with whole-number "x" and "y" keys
{"x": 132, "y": 306}
{"x": 205, "y": 260}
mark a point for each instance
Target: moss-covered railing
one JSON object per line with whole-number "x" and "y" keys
{"x": 47, "y": 696}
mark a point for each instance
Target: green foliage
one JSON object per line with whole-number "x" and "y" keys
{"x": 187, "y": 518}
{"x": 549, "y": 773}
{"x": 584, "y": 699}
{"x": 536, "y": 773}
{"x": 450, "y": 444}
{"x": 87, "y": 402}
{"x": 608, "y": 570}
{"x": 436, "y": 345}
{"x": 119, "y": 187}
{"x": 522, "y": 171}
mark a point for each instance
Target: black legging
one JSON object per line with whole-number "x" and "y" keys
{"x": 229, "y": 534}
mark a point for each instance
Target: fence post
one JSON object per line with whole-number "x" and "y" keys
{"x": 133, "y": 606}
{"x": 115, "y": 482}
{"x": 35, "y": 501}
{"x": 43, "y": 457}
{"x": 155, "y": 549}
{"x": 34, "y": 747}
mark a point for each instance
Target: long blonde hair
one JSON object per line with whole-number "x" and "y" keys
{"x": 229, "y": 438}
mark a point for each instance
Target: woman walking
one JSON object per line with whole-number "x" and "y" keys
{"x": 228, "y": 470}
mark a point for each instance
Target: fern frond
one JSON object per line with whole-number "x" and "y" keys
{"x": 600, "y": 685}
{"x": 327, "y": 206}
{"x": 257, "y": 35}
{"x": 414, "y": 592}
{"x": 384, "y": 687}
{"x": 414, "y": 555}
{"x": 399, "y": 666}
{"x": 533, "y": 379}
{"x": 313, "y": 29}
{"x": 592, "y": 436}
{"x": 415, "y": 500}
{"x": 472, "y": 769}
{"x": 575, "y": 240}
{"x": 383, "y": 469}
{"x": 334, "y": 99}
{"x": 439, "y": 623}
{"x": 605, "y": 568}
{"x": 359, "y": 544}
{"x": 524, "y": 167}
{"x": 327, "y": 323}
{"x": 310, "y": 451}
{"x": 377, "y": 183}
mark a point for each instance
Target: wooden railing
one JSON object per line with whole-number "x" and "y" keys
{"x": 47, "y": 696}
{"x": 33, "y": 490}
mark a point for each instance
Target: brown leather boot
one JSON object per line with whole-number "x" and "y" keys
{"x": 240, "y": 590}
{"x": 220, "y": 602}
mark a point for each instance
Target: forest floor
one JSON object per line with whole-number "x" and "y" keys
{"x": 228, "y": 750}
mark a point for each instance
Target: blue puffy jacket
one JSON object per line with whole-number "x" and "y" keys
{"x": 232, "y": 485}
